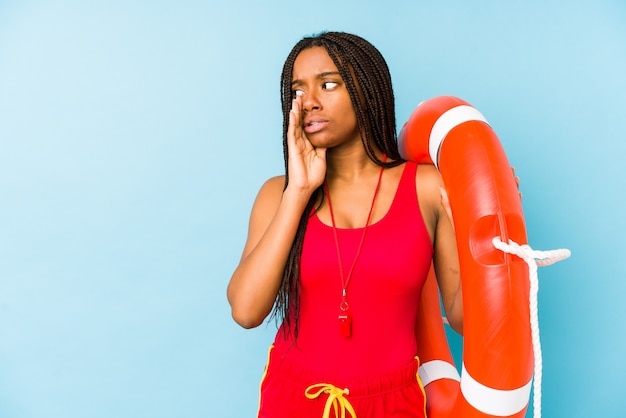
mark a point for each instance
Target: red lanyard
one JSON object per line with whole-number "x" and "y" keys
{"x": 345, "y": 316}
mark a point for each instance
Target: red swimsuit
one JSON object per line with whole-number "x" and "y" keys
{"x": 379, "y": 357}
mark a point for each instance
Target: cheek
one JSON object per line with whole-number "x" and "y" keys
{"x": 351, "y": 120}
{"x": 348, "y": 111}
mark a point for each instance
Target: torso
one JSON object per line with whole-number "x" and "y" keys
{"x": 384, "y": 290}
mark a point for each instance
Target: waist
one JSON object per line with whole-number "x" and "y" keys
{"x": 377, "y": 345}
{"x": 359, "y": 383}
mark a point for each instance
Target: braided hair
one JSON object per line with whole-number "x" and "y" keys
{"x": 368, "y": 81}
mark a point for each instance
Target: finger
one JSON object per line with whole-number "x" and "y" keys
{"x": 321, "y": 153}
{"x": 294, "y": 120}
{"x": 295, "y": 124}
{"x": 516, "y": 178}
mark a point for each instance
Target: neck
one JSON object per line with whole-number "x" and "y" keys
{"x": 350, "y": 165}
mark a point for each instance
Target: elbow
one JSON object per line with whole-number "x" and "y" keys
{"x": 245, "y": 313}
{"x": 454, "y": 315}
{"x": 457, "y": 325}
{"x": 246, "y": 309}
{"x": 246, "y": 320}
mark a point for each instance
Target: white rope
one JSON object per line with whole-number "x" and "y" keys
{"x": 534, "y": 258}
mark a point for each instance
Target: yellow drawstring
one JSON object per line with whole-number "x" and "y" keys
{"x": 335, "y": 398}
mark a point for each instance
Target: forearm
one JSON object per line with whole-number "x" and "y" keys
{"x": 257, "y": 280}
{"x": 450, "y": 287}
{"x": 454, "y": 313}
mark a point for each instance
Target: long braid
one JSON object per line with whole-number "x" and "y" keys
{"x": 368, "y": 82}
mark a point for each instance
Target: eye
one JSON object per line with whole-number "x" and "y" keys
{"x": 329, "y": 85}
{"x": 298, "y": 93}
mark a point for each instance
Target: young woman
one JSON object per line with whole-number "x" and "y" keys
{"x": 340, "y": 246}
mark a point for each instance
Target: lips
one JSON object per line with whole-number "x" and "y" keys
{"x": 313, "y": 126}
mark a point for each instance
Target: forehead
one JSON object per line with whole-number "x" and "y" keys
{"x": 312, "y": 62}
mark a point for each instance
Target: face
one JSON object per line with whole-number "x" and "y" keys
{"x": 328, "y": 116}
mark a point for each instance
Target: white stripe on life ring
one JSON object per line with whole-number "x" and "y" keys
{"x": 445, "y": 123}
{"x": 501, "y": 403}
{"x": 435, "y": 370}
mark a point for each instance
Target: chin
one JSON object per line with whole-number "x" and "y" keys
{"x": 321, "y": 142}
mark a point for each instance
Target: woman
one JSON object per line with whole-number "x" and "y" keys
{"x": 341, "y": 245}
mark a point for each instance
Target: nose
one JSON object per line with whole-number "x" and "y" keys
{"x": 310, "y": 101}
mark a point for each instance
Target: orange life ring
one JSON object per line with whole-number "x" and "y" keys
{"x": 497, "y": 369}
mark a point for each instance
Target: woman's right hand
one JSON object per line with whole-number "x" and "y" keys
{"x": 273, "y": 225}
{"x": 307, "y": 164}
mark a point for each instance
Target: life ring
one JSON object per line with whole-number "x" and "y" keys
{"x": 497, "y": 369}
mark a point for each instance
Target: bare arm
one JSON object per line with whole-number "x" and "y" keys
{"x": 447, "y": 263}
{"x": 273, "y": 224}
{"x": 446, "y": 258}
{"x": 434, "y": 206}
{"x": 447, "y": 269}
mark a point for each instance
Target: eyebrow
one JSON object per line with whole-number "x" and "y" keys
{"x": 320, "y": 75}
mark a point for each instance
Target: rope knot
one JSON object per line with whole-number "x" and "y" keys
{"x": 336, "y": 399}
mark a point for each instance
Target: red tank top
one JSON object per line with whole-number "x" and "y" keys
{"x": 384, "y": 291}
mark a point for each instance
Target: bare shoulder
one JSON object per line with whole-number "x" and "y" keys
{"x": 427, "y": 183}
{"x": 264, "y": 208}
{"x": 273, "y": 185}
{"x": 428, "y": 170}
{"x": 428, "y": 180}
{"x": 269, "y": 195}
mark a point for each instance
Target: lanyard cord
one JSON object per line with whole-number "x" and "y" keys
{"x": 346, "y": 281}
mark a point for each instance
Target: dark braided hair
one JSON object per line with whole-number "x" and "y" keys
{"x": 367, "y": 79}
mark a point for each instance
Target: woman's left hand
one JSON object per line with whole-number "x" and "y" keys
{"x": 445, "y": 201}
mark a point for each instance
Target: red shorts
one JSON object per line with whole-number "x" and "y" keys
{"x": 288, "y": 391}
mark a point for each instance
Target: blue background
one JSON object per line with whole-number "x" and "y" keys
{"x": 134, "y": 136}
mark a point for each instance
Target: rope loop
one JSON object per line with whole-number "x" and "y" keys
{"x": 533, "y": 258}
{"x": 336, "y": 399}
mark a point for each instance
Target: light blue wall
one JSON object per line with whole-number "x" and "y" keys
{"x": 135, "y": 134}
